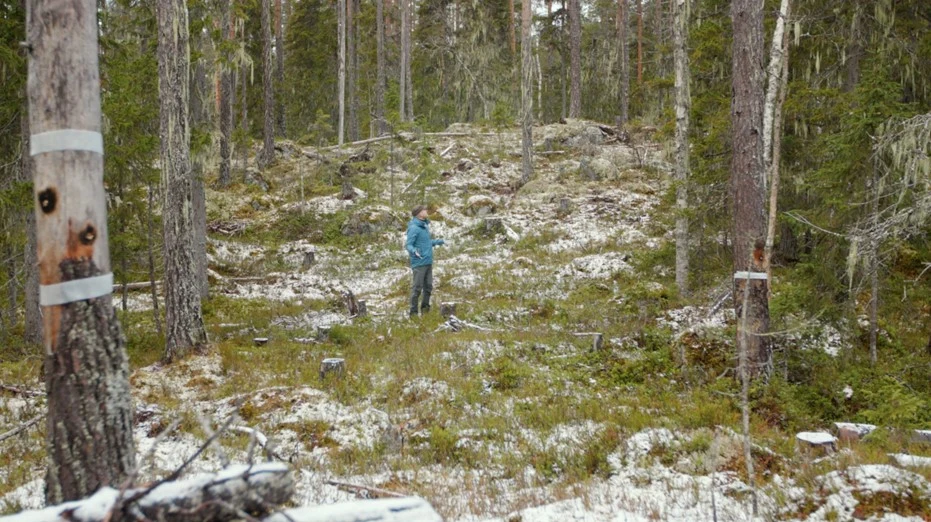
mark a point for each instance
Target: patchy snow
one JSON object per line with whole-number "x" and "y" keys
{"x": 816, "y": 438}
{"x": 596, "y": 266}
{"x": 903, "y": 459}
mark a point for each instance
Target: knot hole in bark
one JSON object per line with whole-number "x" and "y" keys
{"x": 88, "y": 235}
{"x": 48, "y": 199}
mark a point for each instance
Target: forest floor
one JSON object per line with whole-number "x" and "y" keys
{"x": 513, "y": 413}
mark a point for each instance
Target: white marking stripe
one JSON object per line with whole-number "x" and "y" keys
{"x": 750, "y": 275}
{"x": 75, "y": 290}
{"x": 65, "y": 139}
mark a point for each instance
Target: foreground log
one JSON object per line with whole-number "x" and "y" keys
{"x": 227, "y": 495}
{"x": 409, "y": 509}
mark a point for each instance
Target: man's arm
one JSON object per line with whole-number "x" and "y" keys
{"x": 409, "y": 245}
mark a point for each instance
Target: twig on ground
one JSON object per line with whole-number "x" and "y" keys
{"x": 22, "y": 427}
{"x": 356, "y": 488}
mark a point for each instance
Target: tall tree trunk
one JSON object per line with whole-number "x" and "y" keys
{"x": 683, "y": 106}
{"x": 341, "y": 58}
{"x": 381, "y": 125}
{"x": 639, "y": 42}
{"x": 244, "y": 119}
{"x": 854, "y": 48}
{"x": 773, "y": 165}
{"x": 874, "y": 266}
{"x": 32, "y": 332}
{"x": 575, "y": 59}
{"x": 405, "y": 60}
{"x": 200, "y": 118}
{"x": 185, "y": 323}
{"x": 624, "y": 64}
{"x": 526, "y": 92}
{"x": 746, "y": 179}
{"x": 268, "y": 68}
{"x": 279, "y": 69}
{"x": 409, "y": 52}
{"x": 773, "y": 72}
{"x": 226, "y": 100}
{"x": 512, "y": 36}
{"x": 352, "y": 63}
{"x": 150, "y": 235}
{"x": 90, "y": 415}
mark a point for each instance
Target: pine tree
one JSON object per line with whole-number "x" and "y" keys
{"x": 184, "y": 320}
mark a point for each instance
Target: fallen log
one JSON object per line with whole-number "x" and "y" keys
{"x": 407, "y": 509}
{"x": 225, "y": 495}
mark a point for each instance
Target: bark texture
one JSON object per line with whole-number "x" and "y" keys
{"x": 200, "y": 118}
{"x": 623, "y": 63}
{"x": 405, "y": 61}
{"x": 575, "y": 59}
{"x": 381, "y": 82}
{"x": 773, "y": 81}
{"x": 226, "y": 104}
{"x": 352, "y": 65}
{"x": 341, "y": 51}
{"x": 32, "y": 332}
{"x": 683, "y": 106}
{"x": 184, "y": 321}
{"x": 409, "y": 52}
{"x": 526, "y": 93}
{"x": 89, "y": 432}
{"x": 639, "y": 42}
{"x": 279, "y": 66}
{"x": 268, "y": 68}
{"x": 746, "y": 177}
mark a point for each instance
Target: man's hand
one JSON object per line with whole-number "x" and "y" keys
{"x": 418, "y": 255}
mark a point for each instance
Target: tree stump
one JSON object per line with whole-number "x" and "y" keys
{"x": 362, "y": 310}
{"x": 346, "y": 191}
{"x": 309, "y": 259}
{"x": 333, "y": 365}
{"x": 565, "y": 206}
{"x": 492, "y": 226}
{"x": 816, "y": 442}
{"x": 323, "y": 333}
{"x": 447, "y": 310}
{"x": 598, "y": 341}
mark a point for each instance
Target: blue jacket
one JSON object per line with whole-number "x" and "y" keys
{"x": 420, "y": 242}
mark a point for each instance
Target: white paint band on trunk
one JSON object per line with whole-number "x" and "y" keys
{"x": 750, "y": 275}
{"x": 65, "y": 139}
{"x": 75, "y": 290}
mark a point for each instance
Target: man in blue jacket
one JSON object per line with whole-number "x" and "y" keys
{"x": 420, "y": 247}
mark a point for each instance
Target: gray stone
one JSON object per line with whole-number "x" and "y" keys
{"x": 373, "y": 220}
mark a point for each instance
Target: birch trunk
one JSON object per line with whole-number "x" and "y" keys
{"x": 184, "y": 321}
{"x": 575, "y": 59}
{"x": 683, "y": 106}
{"x": 774, "y": 168}
{"x": 268, "y": 68}
{"x": 746, "y": 177}
{"x": 341, "y": 59}
{"x": 773, "y": 71}
{"x": 90, "y": 416}
{"x": 526, "y": 88}
{"x": 381, "y": 127}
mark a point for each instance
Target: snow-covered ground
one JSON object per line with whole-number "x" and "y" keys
{"x": 588, "y": 232}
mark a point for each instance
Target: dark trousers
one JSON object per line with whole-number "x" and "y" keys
{"x": 422, "y": 283}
